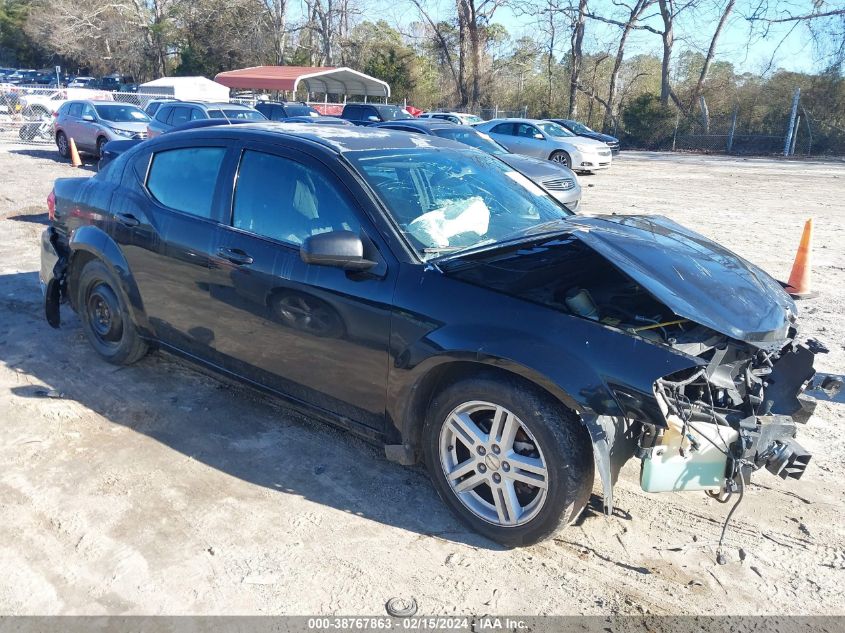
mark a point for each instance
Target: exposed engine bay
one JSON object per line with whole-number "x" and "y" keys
{"x": 734, "y": 412}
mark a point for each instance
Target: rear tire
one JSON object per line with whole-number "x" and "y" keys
{"x": 525, "y": 468}
{"x": 561, "y": 157}
{"x": 105, "y": 317}
{"x": 63, "y": 145}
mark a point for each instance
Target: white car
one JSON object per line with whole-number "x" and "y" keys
{"x": 48, "y": 102}
{"x": 544, "y": 139}
{"x": 461, "y": 118}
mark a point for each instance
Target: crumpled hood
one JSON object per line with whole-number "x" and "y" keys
{"x": 693, "y": 276}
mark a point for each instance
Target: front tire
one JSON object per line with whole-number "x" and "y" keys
{"x": 101, "y": 144}
{"x": 511, "y": 462}
{"x": 562, "y": 158}
{"x": 63, "y": 145}
{"x": 105, "y": 317}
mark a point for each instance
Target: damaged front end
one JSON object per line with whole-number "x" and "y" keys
{"x": 728, "y": 418}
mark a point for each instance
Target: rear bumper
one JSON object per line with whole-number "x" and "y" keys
{"x": 52, "y": 276}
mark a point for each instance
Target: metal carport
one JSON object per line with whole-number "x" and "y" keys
{"x": 315, "y": 80}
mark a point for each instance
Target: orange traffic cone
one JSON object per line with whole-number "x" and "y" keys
{"x": 74, "y": 155}
{"x": 800, "y": 279}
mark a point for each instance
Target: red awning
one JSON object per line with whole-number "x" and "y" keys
{"x": 338, "y": 81}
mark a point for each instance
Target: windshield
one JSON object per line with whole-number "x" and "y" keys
{"x": 393, "y": 113}
{"x": 301, "y": 110}
{"x": 578, "y": 128}
{"x": 473, "y": 139}
{"x": 121, "y": 113}
{"x": 248, "y": 115}
{"x": 554, "y": 130}
{"x": 471, "y": 119}
{"x": 449, "y": 200}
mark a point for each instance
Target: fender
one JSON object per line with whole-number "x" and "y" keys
{"x": 606, "y": 404}
{"x": 93, "y": 240}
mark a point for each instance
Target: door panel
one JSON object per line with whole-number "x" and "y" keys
{"x": 168, "y": 237}
{"x": 315, "y": 333}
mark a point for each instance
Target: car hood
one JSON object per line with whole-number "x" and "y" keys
{"x": 140, "y": 126}
{"x": 598, "y": 136}
{"x": 582, "y": 142}
{"x": 693, "y": 276}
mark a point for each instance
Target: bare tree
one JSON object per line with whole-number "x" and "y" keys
{"x": 711, "y": 51}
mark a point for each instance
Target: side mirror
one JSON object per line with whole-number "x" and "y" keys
{"x": 88, "y": 117}
{"x": 539, "y": 137}
{"x": 373, "y": 118}
{"x": 340, "y": 249}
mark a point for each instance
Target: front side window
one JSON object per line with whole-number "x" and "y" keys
{"x": 197, "y": 114}
{"x": 285, "y": 200}
{"x": 453, "y": 199}
{"x": 526, "y": 131}
{"x": 503, "y": 128}
{"x": 185, "y": 179}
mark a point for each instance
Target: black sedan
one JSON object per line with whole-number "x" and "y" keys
{"x": 425, "y": 296}
{"x": 582, "y": 130}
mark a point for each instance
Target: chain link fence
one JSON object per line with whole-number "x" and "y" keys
{"x": 26, "y": 112}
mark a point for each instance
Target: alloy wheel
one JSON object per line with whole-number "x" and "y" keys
{"x": 493, "y": 463}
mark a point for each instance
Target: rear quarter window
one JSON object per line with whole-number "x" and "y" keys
{"x": 185, "y": 179}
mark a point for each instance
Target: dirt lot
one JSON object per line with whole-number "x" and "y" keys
{"x": 157, "y": 489}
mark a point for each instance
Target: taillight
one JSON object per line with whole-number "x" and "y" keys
{"x": 51, "y": 205}
{"x": 55, "y": 114}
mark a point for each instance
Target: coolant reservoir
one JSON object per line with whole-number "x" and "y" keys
{"x": 702, "y": 468}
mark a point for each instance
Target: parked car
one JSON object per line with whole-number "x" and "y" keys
{"x": 22, "y": 77}
{"x": 92, "y": 124}
{"x": 369, "y": 113}
{"x": 281, "y": 110}
{"x": 40, "y": 103}
{"x": 318, "y": 120}
{"x": 461, "y": 118}
{"x": 543, "y": 139}
{"x": 558, "y": 181}
{"x": 173, "y": 114}
{"x": 582, "y": 130}
{"x": 83, "y": 82}
{"x": 425, "y": 296}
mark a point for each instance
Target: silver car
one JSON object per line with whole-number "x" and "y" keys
{"x": 92, "y": 124}
{"x": 176, "y": 113}
{"x": 547, "y": 140}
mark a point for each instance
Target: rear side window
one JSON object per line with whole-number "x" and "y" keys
{"x": 163, "y": 114}
{"x": 75, "y": 109}
{"x": 180, "y": 116}
{"x": 287, "y": 201}
{"x": 185, "y": 179}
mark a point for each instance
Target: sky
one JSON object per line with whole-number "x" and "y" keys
{"x": 780, "y": 49}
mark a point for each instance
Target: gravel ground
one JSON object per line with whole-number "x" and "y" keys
{"x": 157, "y": 489}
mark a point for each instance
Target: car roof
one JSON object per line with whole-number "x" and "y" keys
{"x": 516, "y": 120}
{"x": 375, "y": 105}
{"x": 426, "y": 125}
{"x": 336, "y": 138}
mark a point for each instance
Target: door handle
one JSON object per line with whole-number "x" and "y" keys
{"x": 235, "y": 256}
{"x": 127, "y": 219}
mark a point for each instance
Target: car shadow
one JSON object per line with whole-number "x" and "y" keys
{"x": 89, "y": 163}
{"x": 222, "y": 424}
{"x": 34, "y": 218}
